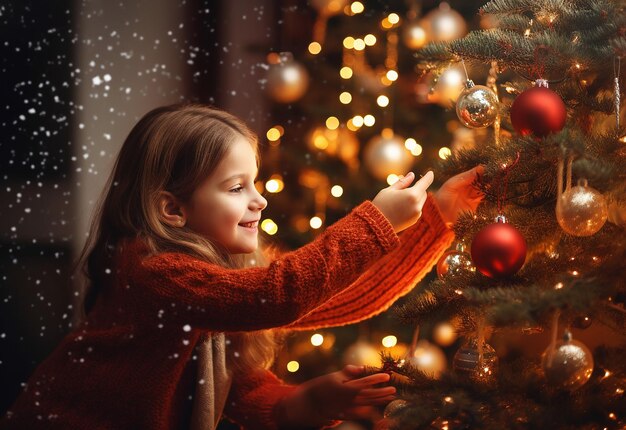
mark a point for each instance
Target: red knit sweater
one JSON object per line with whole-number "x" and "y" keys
{"x": 130, "y": 365}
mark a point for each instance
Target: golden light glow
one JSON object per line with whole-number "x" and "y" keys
{"x": 358, "y": 121}
{"x": 269, "y": 226}
{"x": 345, "y": 72}
{"x": 293, "y": 366}
{"x": 444, "y": 152}
{"x": 315, "y": 222}
{"x": 359, "y": 44}
{"x": 386, "y": 24}
{"x": 348, "y": 42}
{"x": 558, "y": 285}
{"x": 369, "y": 120}
{"x": 382, "y": 101}
{"x": 392, "y": 179}
{"x": 412, "y": 145}
{"x": 393, "y": 18}
{"x": 275, "y": 184}
{"x": 387, "y": 133}
{"x": 273, "y": 134}
{"x": 389, "y": 341}
{"x": 370, "y": 40}
{"x": 315, "y": 48}
{"x": 351, "y": 126}
{"x": 345, "y": 97}
{"x": 392, "y": 75}
{"x": 317, "y": 339}
{"x": 332, "y": 123}
{"x": 336, "y": 191}
{"x": 320, "y": 142}
{"x": 357, "y": 7}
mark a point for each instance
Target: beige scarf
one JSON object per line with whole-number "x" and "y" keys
{"x": 213, "y": 382}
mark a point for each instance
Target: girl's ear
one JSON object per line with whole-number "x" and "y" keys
{"x": 171, "y": 210}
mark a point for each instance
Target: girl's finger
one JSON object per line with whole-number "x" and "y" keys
{"x": 403, "y": 181}
{"x": 377, "y": 392}
{"x": 376, "y": 378}
{"x": 353, "y": 370}
{"x": 359, "y": 401}
{"x": 424, "y": 182}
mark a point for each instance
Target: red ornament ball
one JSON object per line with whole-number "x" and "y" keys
{"x": 498, "y": 250}
{"x": 538, "y": 111}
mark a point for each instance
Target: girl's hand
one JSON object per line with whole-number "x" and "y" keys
{"x": 337, "y": 396}
{"x": 402, "y": 205}
{"x": 458, "y": 195}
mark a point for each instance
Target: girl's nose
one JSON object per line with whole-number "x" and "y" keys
{"x": 259, "y": 201}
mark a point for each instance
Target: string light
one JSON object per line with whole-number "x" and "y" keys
{"x": 370, "y": 40}
{"x": 315, "y": 222}
{"x": 357, "y": 7}
{"x": 345, "y": 72}
{"x": 345, "y": 97}
{"x": 392, "y": 75}
{"x": 348, "y": 42}
{"x": 293, "y": 366}
{"x": 269, "y": 226}
{"x": 412, "y": 145}
{"x": 444, "y": 152}
{"x": 275, "y": 184}
{"x": 369, "y": 120}
{"x": 357, "y": 120}
{"x": 332, "y": 123}
{"x": 273, "y": 134}
{"x": 359, "y": 44}
{"x": 392, "y": 179}
{"x": 315, "y": 48}
{"x": 389, "y": 341}
{"x": 393, "y": 18}
{"x": 317, "y": 339}
{"x": 382, "y": 101}
{"x": 336, "y": 191}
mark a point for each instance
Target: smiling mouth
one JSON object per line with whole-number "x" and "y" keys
{"x": 252, "y": 224}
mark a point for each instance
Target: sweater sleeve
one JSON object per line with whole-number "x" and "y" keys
{"x": 389, "y": 278}
{"x": 253, "y": 401}
{"x": 221, "y": 299}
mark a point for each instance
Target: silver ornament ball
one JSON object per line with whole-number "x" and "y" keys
{"x": 468, "y": 362}
{"x": 477, "y": 106}
{"x": 394, "y": 406}
{"x": 569, "y": 365}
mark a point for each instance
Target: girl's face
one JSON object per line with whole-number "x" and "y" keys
{"x": 226, "y": 207}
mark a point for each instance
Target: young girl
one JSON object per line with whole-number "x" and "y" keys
{"x": 179, "y": 303}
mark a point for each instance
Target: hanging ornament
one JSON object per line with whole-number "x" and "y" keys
{"x": 362, "y": 353}
{"x": 538, "y": 111}
{"x": 340, "y": 142}
{"x": 287, "y": 80}
{"x": 455, "y": 263}
{"x": 385, "y": 154}
{"x": 448, "y": 86}
{"x": 477, "y": 106}
{"x": 581, "y": 210}
{"x": 476, "y": 361}
{"x": 568, "y": 364}
{"x": 428, "y": 359}
{"x": 499, "y": 249}
{"x": 394, "y": 407}
{"x": 414, "y": 35}
{"x": 443, "y": 24}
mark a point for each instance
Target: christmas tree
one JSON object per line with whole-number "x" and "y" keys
{"x": 542, "y": 260}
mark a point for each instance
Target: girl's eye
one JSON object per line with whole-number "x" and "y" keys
{"x": 237, "y": 189}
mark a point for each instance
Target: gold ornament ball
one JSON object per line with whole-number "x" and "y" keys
{"x": 454, "y": 263}
{"x": 469, "y": 362}
{"x": 394, "y": 406}
{"x": 477, "y": 106}
{"x": 569, "y": 365}
{"x": 362, "y": 353}
{"x": 386, "y": 155}
{"x": 287, "y": 81}
{"x": 414, "y": 35}
{"x": 429, "y": 359}
{"x": 581, "y": 210}
{"x": 329, "y": 7}
{"x": 444, "y": 24}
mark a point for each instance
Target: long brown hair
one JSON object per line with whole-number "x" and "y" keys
{"x": 172, "y": 148}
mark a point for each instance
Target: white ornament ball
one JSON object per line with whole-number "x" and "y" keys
{"x": 386, "y": 155}
{"x": 444, "y": 24}
{"x": 429, "y": 359}
{"x": 414, "y": 35}
{"x": 362, "y": 353}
